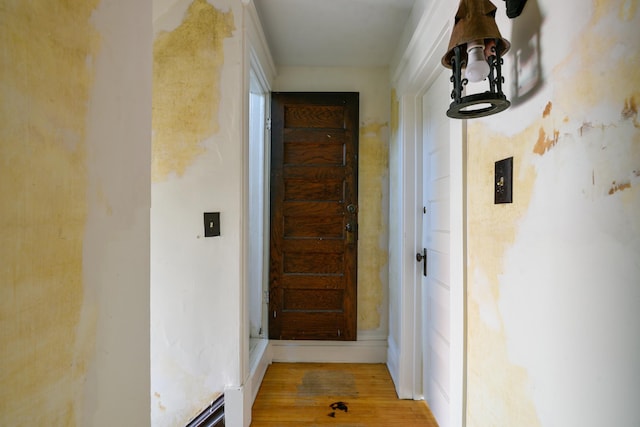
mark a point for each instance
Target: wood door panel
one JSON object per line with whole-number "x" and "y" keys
{"x": 294, "y": 281}
{"x": 297, "y": 208}
{"x": 314, "y": 116}
{"x": 312, "y": 263}
{"x": 313, "y": 249}
{"x": 308, "y": 153}
{"x": 304, "y": 190}
{"x": 313, "y": 300}
{"x": 312, "y": 245}
{"x": 319, "y": 325}
{"x": 316, "y": 173}
{"x": 314, "y": 226}
{"x": 315, "y": 135}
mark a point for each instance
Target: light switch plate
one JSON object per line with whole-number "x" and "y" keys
{"x": 503, "y": 184}
{"x": 211, "y": 224}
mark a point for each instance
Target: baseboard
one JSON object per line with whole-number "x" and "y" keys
{"x": 370, "y": 350}
{"x": 393, "y": 362}
{"x": 237, "y": 407}
{"x": 260, "y": 361}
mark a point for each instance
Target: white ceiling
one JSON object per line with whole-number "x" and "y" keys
{"x": 333, "y": 33}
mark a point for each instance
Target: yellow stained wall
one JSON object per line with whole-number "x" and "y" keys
{"x": 585, "y": 139}
{"x": 197, "y": 149}
{"x": 373, "y": 181}
{"x": 46, "y": 76}
{"x": 395, "y": 192}
{"x": 186, "y": 87}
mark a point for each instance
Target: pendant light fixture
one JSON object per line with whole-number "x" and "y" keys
{"x": 476, "y": 47}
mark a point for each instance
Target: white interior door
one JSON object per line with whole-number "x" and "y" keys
{"x": 436, "y": 240}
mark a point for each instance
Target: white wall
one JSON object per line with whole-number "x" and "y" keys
{"x": 116, "y": 245}
{"x": 197, "y": 339}
{"x": 552, "y": 324}
{"x": 554, "y": 277}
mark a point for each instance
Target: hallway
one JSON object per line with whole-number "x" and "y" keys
{"x": 296, "y": 394}
{"x": 124, "y": 124}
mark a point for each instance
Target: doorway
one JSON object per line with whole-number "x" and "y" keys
{"x": 257, "y": 208}
{"x": 314, "y": 216}
{"x": 441, "y": 240}
{"x": 436, "y": 231}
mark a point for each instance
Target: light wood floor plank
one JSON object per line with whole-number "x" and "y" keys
{"x": 302, "y": 394}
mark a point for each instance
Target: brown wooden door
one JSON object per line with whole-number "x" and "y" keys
{"x": 312, "y": 277}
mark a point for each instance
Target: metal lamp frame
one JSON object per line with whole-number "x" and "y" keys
{"x": 460, "y": 108}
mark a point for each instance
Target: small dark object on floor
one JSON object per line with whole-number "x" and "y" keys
{"x": 332, "y": 414}
{"x": 339, "y": 405}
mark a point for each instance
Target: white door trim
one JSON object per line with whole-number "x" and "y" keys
{"x": 458, "y": 271}
{"x": 404, "y": 356}
{"x": 413, "y": 80}
{"x": 257, "y": 61}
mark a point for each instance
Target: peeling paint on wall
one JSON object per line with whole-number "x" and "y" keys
{"x": 186, "y": 87}
{"x": 536, "y": 266}
{"x": 373, "y": 171}
{"x": 503, "y": 397}
{"x": 630, "y": 111}
{"x": 545, "y": 143}
{"x": 615, "y": 187}
{"x": 46, "y": 77}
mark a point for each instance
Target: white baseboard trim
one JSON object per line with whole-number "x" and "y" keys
{"x": 259, "y": 364}
{"x": 371, "y": 350}
{"x": 238, "y": 400}
{"x": 393, "y": 362}
{"x": 237, "y": 407}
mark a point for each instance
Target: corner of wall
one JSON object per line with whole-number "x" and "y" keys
{"x": 237, "y": 406}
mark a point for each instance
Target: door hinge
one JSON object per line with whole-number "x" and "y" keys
{"x": 265, "y": 297}
{"x": 274, "y": 314}
{"x": 268, "y": 123}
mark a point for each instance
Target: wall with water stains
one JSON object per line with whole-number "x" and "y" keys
{"x": 198, "y": 165}
{"x": 373, "y": 179}
{"x": 554, "y": 278}
{"x": 74, "y": 200}
{"x": 395, "y": 213}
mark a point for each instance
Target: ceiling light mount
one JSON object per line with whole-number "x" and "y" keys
{"x": 514, "y": 7}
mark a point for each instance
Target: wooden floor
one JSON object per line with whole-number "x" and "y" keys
{"x": 317, "y": 394}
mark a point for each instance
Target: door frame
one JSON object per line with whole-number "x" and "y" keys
{"x": 257, "y": 60}
{"x": 416, "y": 76}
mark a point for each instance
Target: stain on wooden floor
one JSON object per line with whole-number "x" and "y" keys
{"x": 320, "y": 382}
{"x": 343, "y": 395}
